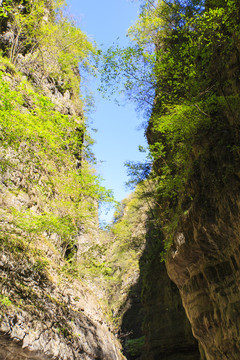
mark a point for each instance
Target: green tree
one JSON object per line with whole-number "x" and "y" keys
{"x": 41, "y": 32}
{"x": 185, "y": 49}
{"x": 24, "y": 22}
{"x": 189, "y": 51}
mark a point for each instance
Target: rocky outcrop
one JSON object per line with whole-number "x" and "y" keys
{"x": 204, "y": 259}
{"x": 60, "y": 321}
{"x": 48, "y": 218}
{"x": 45, "y": 310}
{"x": 201, "y": 220}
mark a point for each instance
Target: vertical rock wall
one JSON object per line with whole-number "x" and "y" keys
{"x": 46, "y": 312}
{"x": 156, "y": 313}
{"x": 204, "y": 258}
{"x": 48, "y": 318}
{"x": 168, "y": 331}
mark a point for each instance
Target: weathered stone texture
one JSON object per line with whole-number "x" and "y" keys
{"x": 45, "y": 313}
{"x": 61, "y": 321}
{"x": 205, "y": 267}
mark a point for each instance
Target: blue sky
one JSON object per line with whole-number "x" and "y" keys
{"x": 117, "y": 138}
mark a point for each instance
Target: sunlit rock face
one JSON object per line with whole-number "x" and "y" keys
{"x": 44, "y": 320}
{"x": 46, "y": 312}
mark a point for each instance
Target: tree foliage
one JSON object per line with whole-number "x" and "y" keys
{"x": 40, "y": 31}
{"x": 128, "y": 71}
{"x": 189, "y": 51}
{"x": 37, "y": 144}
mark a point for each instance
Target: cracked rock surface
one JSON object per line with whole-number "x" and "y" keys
{"x": 204, "y": 258}
{"x": 42, "y": 321}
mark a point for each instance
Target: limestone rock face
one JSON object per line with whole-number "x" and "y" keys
{"x": 46, "y": 312}
{"x": 204, "y": 259}
{"x": 44, "y": 320}
{"x": 12, "y": 350}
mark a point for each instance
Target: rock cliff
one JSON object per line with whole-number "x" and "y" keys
{"x": 48, "y": 195}
{"x": 45, "y": 307}
{"x": 196, "y": 164}
{"x": 65, "y": 285}
{"x": 203, "y": 260}
{"x": 154, "y": 324}
{"x": 43, "y": 319}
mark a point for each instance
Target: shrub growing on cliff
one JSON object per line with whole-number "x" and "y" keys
{"x": 182, "y": 59}
{"x": 183, "y": 48}
{"x": 41, "y": 32}
{"x": 134, "y": 347}
{"x": 33, "y": 133}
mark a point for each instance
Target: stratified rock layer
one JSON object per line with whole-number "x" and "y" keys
{"x": 45, "y": 320}
{"x": 12, "y": 350}
{"x": 204, "y": 260}
{"x": 46, "y": 312}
